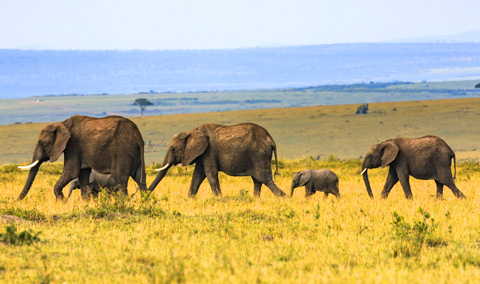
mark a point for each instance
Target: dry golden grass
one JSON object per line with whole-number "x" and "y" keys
{"x": 237, "y": 238}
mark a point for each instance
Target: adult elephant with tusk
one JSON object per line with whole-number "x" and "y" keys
{"x": 423, "y": 158}
{"x": 111, "y": 145}
{"x": 239, "y": 150}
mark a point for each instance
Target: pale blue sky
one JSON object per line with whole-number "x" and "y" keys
{"x": 219, "y": 24}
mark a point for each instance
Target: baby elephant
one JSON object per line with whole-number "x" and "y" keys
{"x": 316, "y": 180}
{"x": 95, "y": 183}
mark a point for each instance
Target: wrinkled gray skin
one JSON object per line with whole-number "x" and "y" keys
{"x": 323, "y": 180}
{"x": 238, "y": 150}
{"x": 111, "y": 145}
{"x": 423, "y": 158}
{"x": 96, "y": 182}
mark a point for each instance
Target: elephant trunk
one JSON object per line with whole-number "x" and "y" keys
{"x": 367, "y": 182}
{"x": 292, "y": 189}
{"x": 161, "y": 174}
{"x": 365, "y": 166}
{"x": 31, "y": 177}
{"x": 75, "y": 184}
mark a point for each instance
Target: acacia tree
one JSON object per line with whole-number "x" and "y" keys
{"x": 142, "y": 103}
{"x": 363, "y": 109}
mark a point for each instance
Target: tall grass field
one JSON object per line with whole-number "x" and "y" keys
{"x": 236, "y": 238}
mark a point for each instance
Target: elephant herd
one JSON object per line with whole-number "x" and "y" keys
{"x": 106, "y": 152}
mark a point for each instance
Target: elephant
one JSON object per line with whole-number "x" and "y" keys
{"x": 323, "y": 180}
{"x": 96, "y": 182}
{"x": 243, "y": 149}
{"x": 425, "y": 158}
{"x": 110, "y": 145}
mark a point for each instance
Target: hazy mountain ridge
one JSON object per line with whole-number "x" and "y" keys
{"x": 34, "y": 73}
{"x": 468, "y": 36}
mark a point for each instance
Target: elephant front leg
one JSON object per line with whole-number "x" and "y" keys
{"x": 392, "y": 179}
{"x": 64, "y": 179}
{"x": 309, "y": 191}
{"x": 197, "y": 179}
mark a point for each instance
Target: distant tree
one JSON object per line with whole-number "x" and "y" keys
{"x": 477, "y": 85}
{"x": 142, "y": 103}
{"x": 363, "y": 109}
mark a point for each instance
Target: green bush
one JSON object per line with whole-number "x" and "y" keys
{"x": 410, "y": 239}
{"x": 11, "y": 237}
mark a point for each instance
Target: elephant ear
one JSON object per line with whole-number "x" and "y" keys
{"x": 305, "y": 177}
{"x": 62, "y": 135}
{"x": 390, "y": 151}
{"x": 196, "y": 144}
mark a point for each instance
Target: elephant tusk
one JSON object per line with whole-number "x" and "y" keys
{"x": 29, "y": 166}
{"x": 364, "y": 170}
{"x": 162, "y": 168}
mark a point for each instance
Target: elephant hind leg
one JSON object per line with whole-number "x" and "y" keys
{"x": 140, "y": 178}
{"x": 274, "y": 188}
{"x": 83, "y": 179}
{"x": 212, "y": 178}
{"x": 257, "y": 187}
{"x": 335, "y": 191}
{"x": 455, "y": 190}
{"x": 405, "y": 182}
{"x": 122, "y": 183}
{"x": 444, "y": 177}
{"x": 439, "y": 189}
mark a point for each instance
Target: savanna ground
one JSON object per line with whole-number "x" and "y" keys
{"x": 237, "y": 238}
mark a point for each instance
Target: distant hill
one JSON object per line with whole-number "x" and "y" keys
{"x": 57, "y": 108}
{"x": 465, "y": 37}
{"x": 36, "y": 73}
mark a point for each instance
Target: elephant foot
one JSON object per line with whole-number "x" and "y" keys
{"x": 460, "y": 195}
{"x": 283, "y": 195}
{"x": 61, "y": 198}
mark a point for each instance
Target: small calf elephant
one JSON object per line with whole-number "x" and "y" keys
{"x": 316, "y": 180}
{"x": 95, "y": 183}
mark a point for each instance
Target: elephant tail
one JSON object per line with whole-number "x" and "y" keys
{"x": 143, "y": 179}
{"x": 274, "y": 148}
{"x": 454, "y": 167}
{"x": 452, "y": 156}
{"x": 140, "y": 174}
